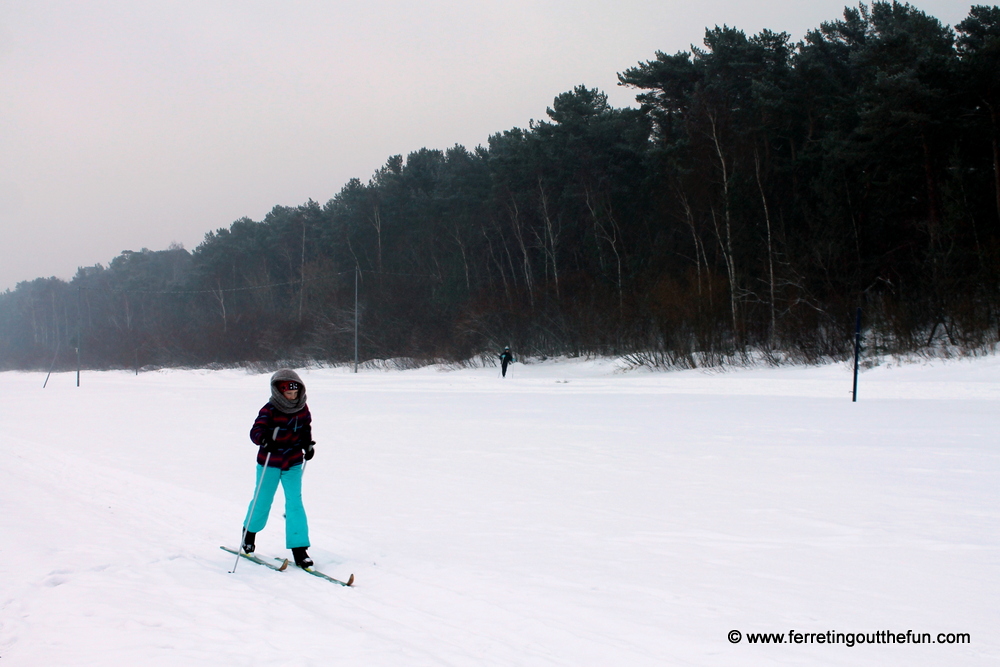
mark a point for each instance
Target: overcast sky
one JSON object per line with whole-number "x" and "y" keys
{"x": 127, "y": 124}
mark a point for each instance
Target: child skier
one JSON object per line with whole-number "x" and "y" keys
{"x": 505, "y": 358}
{"x": 283, "y": 433}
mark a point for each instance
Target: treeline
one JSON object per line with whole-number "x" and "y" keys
{"x": 762, "y": 192}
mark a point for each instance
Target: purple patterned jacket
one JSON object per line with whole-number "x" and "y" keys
{"x": 290, "y": 431}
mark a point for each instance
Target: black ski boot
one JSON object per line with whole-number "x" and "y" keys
{"x": 248, "y": 542}
{"x": 302, "y": 559}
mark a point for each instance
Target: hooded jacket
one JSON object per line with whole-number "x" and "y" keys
{"x": 287, "y": 423}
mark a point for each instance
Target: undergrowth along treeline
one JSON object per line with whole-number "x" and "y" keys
{"x": 761, "y": 193}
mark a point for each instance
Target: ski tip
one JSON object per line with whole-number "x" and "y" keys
{"x": 281, "y": 568}
{"x": 350, "y": 580}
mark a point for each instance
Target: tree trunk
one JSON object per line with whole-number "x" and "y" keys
{"x": 551, "y": 236}
{"x": 465, "y": 260}
{"x": 727, "y": 246}
{"x": 996, "y": 155}
{"x": 601, "y": 232}
{"x": 689, "y": 216}
{"x": 525, "y": 259}
{"x": 376, "y": 221}
{"x": 221, "y": 298}
{"x": 770, "y": 251}
{"x": 499, "y": 265}
{"x": 933, "y": 209}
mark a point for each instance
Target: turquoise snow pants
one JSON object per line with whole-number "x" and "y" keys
{"x": 296, "y": 526}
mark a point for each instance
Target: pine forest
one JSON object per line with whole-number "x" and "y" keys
{"x": 759, "y": 193}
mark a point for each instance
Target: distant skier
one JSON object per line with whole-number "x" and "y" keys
{"x": 505, "y": 358}
{"x": 283, "y": 432}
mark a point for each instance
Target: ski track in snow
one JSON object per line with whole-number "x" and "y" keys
{"x": 570, "y": 514}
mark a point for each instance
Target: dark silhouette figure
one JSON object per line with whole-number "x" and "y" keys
{"x": 505, "y": 358}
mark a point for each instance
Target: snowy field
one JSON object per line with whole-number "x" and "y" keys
{"x": 570, "y": 514}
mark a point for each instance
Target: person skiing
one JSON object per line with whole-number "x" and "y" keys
{"x": 283, "y": 434}
{"x": 505, "y": 358}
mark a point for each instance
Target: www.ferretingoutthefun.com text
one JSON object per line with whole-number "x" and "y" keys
{"x": 850, "y": 639}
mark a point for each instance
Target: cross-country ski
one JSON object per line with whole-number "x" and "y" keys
{"x": 254, "y": 559}
{"x": 316, "y": 573}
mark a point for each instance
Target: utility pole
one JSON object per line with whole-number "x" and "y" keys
{"x": 857, "y": 351}
{"x": 355, "y": 318}
{"x": 302, "y": 272}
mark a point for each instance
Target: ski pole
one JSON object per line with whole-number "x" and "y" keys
{"x": 253, "y": 506}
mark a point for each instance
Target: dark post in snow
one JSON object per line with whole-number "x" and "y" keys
{"x": 857, "y": 352}
{"x": 355, "y": 319}
{"x": 79, "y": 340}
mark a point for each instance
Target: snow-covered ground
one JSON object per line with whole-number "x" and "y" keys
{"x": 570, "y": 514}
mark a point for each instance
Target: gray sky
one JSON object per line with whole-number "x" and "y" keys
{"x": 127, "y": 124}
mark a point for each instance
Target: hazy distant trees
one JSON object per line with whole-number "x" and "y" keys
{"x": 763, "y": 190}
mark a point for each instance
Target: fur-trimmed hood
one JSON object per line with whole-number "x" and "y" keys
{"x": 278, "y": 399}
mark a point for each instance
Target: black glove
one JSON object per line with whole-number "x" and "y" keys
{"x": 268, "y": 445}
{"x": 309, "y": 452}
